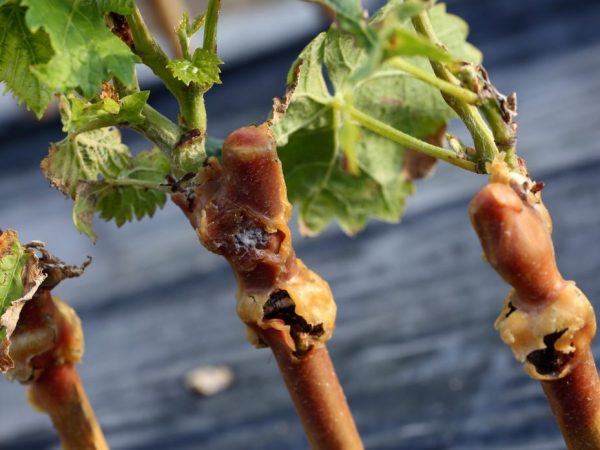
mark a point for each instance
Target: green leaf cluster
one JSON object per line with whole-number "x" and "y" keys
{"x": 334, "y": 167}
{"x": 85, "y": 157}
{"x": 122, "y": 198}
{"x": 78, "y": 114}
{"x": 351, "y": 17}
{"x": 97, "y": 170}
{"x": 61, "y": 46}
{"x": 20, "y": 50}
{"x": 202, "y": 69}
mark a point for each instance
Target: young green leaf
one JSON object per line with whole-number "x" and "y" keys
{"x": 182, "y": 32}
{"x": 324, "y": 191}
{"x": 452, "y": 31}
{"x": 186, "y": 30}
{"x": 79, "y": 114}
{"x": 408, "y": 43}
{"x": 134, "y": 193}
{"x": 83, "y": 210}
{"x": 84, "y": 157}
{"x": 20, "y": 49}
{"x": 317, "y": 146}
{"x": 351, "y": 17}
{"x": 399, "y": 10}
{"x": 86, "y": 52}
{"x": 20, "y": 277}
{"x": 203, "y": 69}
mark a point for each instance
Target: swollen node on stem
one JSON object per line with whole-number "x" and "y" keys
{"x": 240, "y": 211}
{"x": 45, "y": 345}
{"x": 547, "y": 321}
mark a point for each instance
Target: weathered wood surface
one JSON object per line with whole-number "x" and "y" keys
{"x": 415, "y": 347}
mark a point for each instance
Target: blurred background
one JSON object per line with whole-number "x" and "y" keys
{"x": 415, "y": 347}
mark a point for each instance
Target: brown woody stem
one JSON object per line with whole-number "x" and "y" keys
{"x": 317, "y": 395}
{"x": 240, "y": 211}
{"x": 46, "y": 345}
{"x": 59, "y": 393}
{"x": 575, "y": 402}
{"x": 547, "y": 321}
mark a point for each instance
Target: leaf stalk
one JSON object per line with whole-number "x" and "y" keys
{"x": 210, "y": 25}
{"x": 452, "y": 89}
{"x": 158, "y": 129}
{"x": 409, "y": 141}
{"x": 483, "y": 139}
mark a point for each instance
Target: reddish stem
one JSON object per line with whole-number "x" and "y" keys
{"x": 513, "y": 226}
{"x": 240, "y": 211}
{"x": 316, "y": 393}
{"x": 575, "y": 401}
{"x": 59, "y": 392}
{"x": 47, "y": 343}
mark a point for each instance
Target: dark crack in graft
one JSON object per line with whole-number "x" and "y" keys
{"x": 511, "y": 309}
{"x": 549, "y": 361}
{"x": 281, "y": 306}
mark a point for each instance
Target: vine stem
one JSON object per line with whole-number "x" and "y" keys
{"x": 190, "y": 98}
{"x": 483, "y": 139}
{"x": 210, "y": 26}
{"x": 158, "y": 129}
{"x": 452, "y": 89}
{"x": 278, "y": 297}
{"x": 136, "y": 183}
{"x": 409, "y": 141}
{"x": 151, "y": 53}
{"x": 59, "y": 393}
{"x": 48, "y": 341}
{"x": 317, "y": 395}
{"x": 575, "y": 402}
{"x": 542, "y": 306}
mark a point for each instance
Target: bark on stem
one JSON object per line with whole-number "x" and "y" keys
{"x": 317, "y": 395}
{"x": 575, "y": 402}
{"x": 46, "y": 345}
{"x": 59, "y": 393}
{"x": 547, "y": 321}
{"x": 240, "y": 211}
